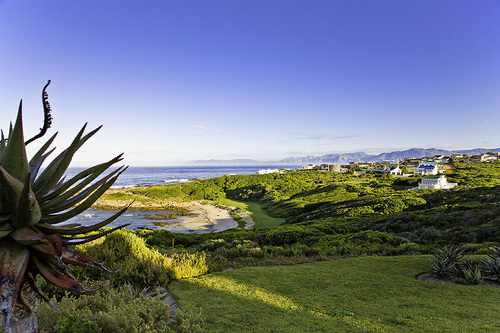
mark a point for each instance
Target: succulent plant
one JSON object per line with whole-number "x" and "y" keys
{"x": 491, "y": 265}
{"x": 33, "y": 206}
{"x": 444, "y": 261}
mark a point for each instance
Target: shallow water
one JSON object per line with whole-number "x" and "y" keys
{"x": 136, "y": 218}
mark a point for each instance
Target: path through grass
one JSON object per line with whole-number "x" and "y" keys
{"x": 261, "y": 219}
{"x": 367, "y": 294}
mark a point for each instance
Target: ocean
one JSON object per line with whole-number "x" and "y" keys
{"x": 146, "y": 176}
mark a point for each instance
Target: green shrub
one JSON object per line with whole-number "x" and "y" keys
{"x": 73, "y": 324}
{"x": 140, "y": 265}
{"x": 120, "y": 311}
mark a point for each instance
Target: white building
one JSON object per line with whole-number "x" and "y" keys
{"x": 435, "y": 183}
{"x": 425, "y": 169}
{"x": 266, "y": 171}
{"x": 396, "y": 171}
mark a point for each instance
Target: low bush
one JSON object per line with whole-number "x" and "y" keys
{"x": 118, "y": 311}
{"x": 140, "y": 265}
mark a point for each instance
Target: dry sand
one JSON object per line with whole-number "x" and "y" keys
{"x": 207, "y": 218}
{"x": 204, "y": 218}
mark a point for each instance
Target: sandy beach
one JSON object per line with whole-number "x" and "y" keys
{"x": 207, "y": 218}
{"x": 194, "y": 217}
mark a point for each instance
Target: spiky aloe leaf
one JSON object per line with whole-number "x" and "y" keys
{"x": 28, "y": 211}
{"x": 34, "y": 286}
{"x": 56, "y": 277}
{"x": 5, "y": 227}
{"x": 51, "y": 176}
{"x": 15, "y": 161}
{"x": 80, "y": 196}
{"x": 3, "y": 146}
{"x": 62, "y": 230}
{"x": 68, "y": 190}
{"x": 78, "y": 258}
{"x": 86, "y": 239}
{"x": 34, "y": 159}
{"x": 19, "y": 200}
{"x": 58, "y": 218}
{"x": 31, "y": 206}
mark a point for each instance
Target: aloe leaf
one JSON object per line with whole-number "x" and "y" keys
{"x": 15, "y": 161}
{"x": 28, "y": 210}
{"x": 52, "y": 219}
{"x": 12, "y": 189}
{"x": 3, "y": 146}
{"x": 41, "y": 152}
{"x": 4, "y": 233}
{"x": 32, "y": 282}
{"x": 86, "y": 239}
{"x": 59, "y": 185}
{"x": 78, "y": 197}
{"x": 13, "y": 262}
{"x": 51, "y": 175}
{"x": 40, "y": 181}
{"x": 66, "y": 160}
{"x": 36, "y": 167}
{"x": 4, "y": 218}
{"x": 66, "y": 191}
{"x": 27, "y": 236}
{"x": 55, "y": 277}
{"x": 46, "y": 248}
{"x": 81, "y": 230}
{"x": 75, "y": 257}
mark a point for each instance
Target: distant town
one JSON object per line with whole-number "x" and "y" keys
{"x": 432, "y": 169}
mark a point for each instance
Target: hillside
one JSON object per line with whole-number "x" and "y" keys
{"x": 342, "y": 214}
{"x": 345, "y": 158}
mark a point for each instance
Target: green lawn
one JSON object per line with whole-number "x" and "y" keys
{"x": 366, "y": 294}
{"x": 258, "y": 215}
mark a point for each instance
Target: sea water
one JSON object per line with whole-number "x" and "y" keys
{"x": 146, "y": 176}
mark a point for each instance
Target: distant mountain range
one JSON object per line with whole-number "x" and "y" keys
{"x": 348, "y": 157}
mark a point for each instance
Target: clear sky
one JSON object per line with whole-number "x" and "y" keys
{"x": 174, "y": 81}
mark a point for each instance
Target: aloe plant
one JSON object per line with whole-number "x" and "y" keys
{"x": 33, "y": 206}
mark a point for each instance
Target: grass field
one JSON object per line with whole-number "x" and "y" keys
{"x": 365, "y": 294}
{"x": 258, "y": 215}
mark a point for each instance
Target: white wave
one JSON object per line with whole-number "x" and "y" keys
{"x": 173, "y": 181}
{"x": 119, "y": 187}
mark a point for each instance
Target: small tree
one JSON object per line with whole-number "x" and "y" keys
{"x": 32, "y": 206}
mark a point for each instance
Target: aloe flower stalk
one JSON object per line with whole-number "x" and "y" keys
{"x": 33, "y": 206}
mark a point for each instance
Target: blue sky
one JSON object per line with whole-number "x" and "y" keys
{"x": 174, "y": 81}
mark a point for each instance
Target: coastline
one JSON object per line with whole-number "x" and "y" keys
{"x": 192, "y": 217}
{"x": 208, "y": 218}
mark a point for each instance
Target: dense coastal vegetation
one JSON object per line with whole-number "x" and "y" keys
{"x": 344, "y": 214}
{"x": 323, "y": 216}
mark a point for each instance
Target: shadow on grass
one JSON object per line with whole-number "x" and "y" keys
{"x": 369, "y": 294}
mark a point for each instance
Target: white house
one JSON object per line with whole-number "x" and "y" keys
{"x": 435, "y": 183}
{"x": 396, "y": 171}
{"x": 425, "y": 170}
